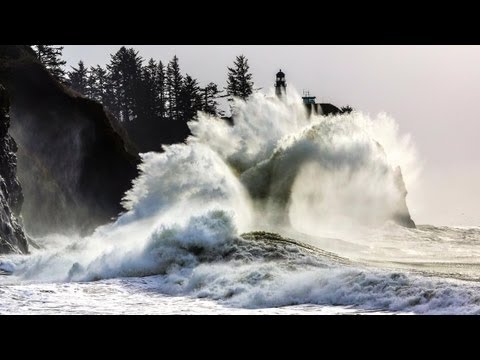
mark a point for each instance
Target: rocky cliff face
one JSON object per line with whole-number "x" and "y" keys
{"x": 74, "y": 163}
{"x": 12, "y": 238}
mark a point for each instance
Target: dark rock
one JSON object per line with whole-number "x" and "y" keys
{"x": 402, "y": 215}
{"x": 324, "y": 109}
{"x": 150, "y": 134}
{"x": 271, "y": 181}
{"x": 12, "y": 237}
{"x": 74, "y": 161}
{"x": 329, "y": 109}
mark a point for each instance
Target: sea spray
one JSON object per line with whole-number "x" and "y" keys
{"x": 323, "y": 170}
{"x": 276, "y": 167}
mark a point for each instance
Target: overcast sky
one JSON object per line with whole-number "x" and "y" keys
{"x": 432, "y": 91}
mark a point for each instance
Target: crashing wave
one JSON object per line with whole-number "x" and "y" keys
{"x": 276, "y": 168}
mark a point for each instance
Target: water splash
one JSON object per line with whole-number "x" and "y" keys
{"x": 276, "y": 168}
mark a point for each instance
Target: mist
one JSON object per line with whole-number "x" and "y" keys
{"x": 431, "y": 91}
{"x": 282, "y": 169}
{"x": 283, "y": 208}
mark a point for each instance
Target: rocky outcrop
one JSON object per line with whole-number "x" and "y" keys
{"x": 74, "y": 162}
{"x": 316, "y": 158}
{"x": 322, "y": 109}
{"x": 402, "y": 215}
{"x": 150, "y": 134}
{"x": 12, "y": 237}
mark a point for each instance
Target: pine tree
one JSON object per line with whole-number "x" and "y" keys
{"x": 148, "y": 95}
{"x": 210, "y": 94}
{"x": 239, "y": 80}
{"x": 97, "y": 88}
{"x": 162, "y": 89}
{"x": 78, "y": 77}
{"x": 174, "y": 83}
{"x": 190, "y": 100}
{"x": 51, "y": 57}
{"x": 93, "y": 89}
{"x": 125, "y": 70}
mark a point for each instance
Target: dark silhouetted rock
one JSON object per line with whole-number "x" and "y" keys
{"x": 322, "y": 109}
{"x": 402, "y": 215}
{"x": 74, "y": 162}
{"x": 151, "y": 134}
{"x": 12, "y": 237}
{"x": 329, "y": 109}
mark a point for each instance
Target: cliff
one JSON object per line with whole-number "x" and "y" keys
{"x": 12, "y": 238}
{"x": 74, "y": 162}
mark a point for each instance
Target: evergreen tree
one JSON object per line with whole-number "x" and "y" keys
{"x": 94, "y": 90}
{"x": 152, "y": 92}
{"x": 239, "y": 80}
{"x": 97, "y": 86}
{"x": 190, "y": 100}
{"x": 78, "y": 77}
{"x": 125, "y": 71}
{"x": 51, "y": 57}
{"x": 174, "y": 82}
{"x": 210, "y": 94}
{"x": 162, "y": 89}
{"x": 147, "y": 96}
{"x": 346, "y": 109}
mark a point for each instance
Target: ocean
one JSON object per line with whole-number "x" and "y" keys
{"x": 281, "y": 213}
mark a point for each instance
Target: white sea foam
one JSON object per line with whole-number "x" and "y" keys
{"x": 276, "y": 168}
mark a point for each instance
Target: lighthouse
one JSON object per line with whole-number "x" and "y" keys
{"x": 280, "y": 84}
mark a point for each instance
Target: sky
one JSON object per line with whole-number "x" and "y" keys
{"x": 433, "y": 92}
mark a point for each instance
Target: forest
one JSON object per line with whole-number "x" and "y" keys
{"x": 151, "y": 99}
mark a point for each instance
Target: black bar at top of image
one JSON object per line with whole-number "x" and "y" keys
{"x": 243, "y": 23}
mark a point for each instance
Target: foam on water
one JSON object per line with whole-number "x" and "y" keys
{"x": 278, "y": 169}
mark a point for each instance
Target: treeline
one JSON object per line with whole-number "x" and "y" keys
{"x": 152, "y": 100}
{"x": 132, "y": 89}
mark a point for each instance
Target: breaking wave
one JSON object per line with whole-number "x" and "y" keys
{"x": 195, "y": 216}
